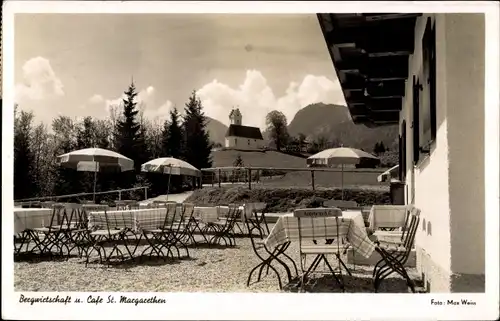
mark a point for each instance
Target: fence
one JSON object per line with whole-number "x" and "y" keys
{"x": 291, "y": 177}
{"x": 83, "y": 195}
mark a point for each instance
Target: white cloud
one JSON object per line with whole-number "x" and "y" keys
{"x": 161, "y": 113}
{"x": 96, "y": 99}
{"x": 255, "y": 97}
{"x": 146, "y": 102}
{"x": 39, "y": 81}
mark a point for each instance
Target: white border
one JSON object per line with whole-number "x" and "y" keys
{"x": 263, "y": 306}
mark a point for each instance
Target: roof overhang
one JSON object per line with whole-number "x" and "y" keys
{"x": 370, "y": 53}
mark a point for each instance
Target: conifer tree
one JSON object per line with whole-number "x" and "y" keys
{"x": 197, "y": 144}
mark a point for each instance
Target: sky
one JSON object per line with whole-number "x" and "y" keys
{"x": 80, "y": 64}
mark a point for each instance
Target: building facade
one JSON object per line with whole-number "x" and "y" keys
{"x": 242, "y": 137}
{"x": 425, "y": 73}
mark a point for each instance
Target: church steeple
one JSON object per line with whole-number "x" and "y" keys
{"x": 235, "y": 117}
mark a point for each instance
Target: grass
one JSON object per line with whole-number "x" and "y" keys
{"x": 207, "y": 270}
{"x": 225, "y": 158}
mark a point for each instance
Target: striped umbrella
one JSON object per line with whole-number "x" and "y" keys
{"x": 340, "y": 156}
{"x": 95, "y": 160}
{"x": 170, "y": 166}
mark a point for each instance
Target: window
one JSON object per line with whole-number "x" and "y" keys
{"x": 249, "y": 142}
{"x": 235, "y": 141}
{"x": 428, "y": 106}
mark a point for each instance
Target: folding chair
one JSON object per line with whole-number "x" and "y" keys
{"x": 159, "y": 237}
{"x": 223, "y": 229}
{"x": 252, "y": 209}
{"x": 47, "y": 237}
{"x": 268, "y": 257}
{"x": 187, "y": 230}
{"x": 103, "y": 235}
{"x": 178, "y": 230}
{"x": 395, "y": 254}
{"x": 318, "y": 219}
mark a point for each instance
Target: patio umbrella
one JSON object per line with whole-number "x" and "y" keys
{"x": 95, "y": 160}
{"x": 341, "y": 155}
{"x": 170, "y": 166}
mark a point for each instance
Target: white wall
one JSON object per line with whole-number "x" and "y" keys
{"x": 449, "y": 184}
{"x": 431, "y": 177}
{"x": 465, "y": 35}
{"x": 243, "y": 143}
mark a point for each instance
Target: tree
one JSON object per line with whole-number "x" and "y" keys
{"x": 379, "y": 148}
{"x": 198, "y": 148}
{"x": 301, "y": 138}
{"x": 172, "y": 136}
{"x": 277, "y": 127}
{"x": 85, "y": 134}
{"x": 42, "y": 152}
{"x": 129, "y": 136}
{"x": 24, "y": 161}
{"x": 238, "y": 162}
{"x": 66, "y": 181}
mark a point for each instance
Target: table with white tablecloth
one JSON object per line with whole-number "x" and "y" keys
{"x": 30, "y": 218}
{"x": 351, "y": 227}
{"x": 387, "y": 216}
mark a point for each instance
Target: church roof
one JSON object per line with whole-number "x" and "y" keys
{"x": 244, "y": 132}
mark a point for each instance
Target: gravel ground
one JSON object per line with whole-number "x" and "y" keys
{"x": 207, "y": 270}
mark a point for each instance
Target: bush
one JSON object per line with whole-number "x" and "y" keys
{"x": 281, "y": 200}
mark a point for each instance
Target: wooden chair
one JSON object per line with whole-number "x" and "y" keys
{"x": 395, "y": 254}
{"x": 331, "y": 247}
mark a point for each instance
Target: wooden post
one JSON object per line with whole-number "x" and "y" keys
{"x": 312, "y": 179}
{"x": 213, "y": 178}
{"x": 220, "y": 177}
{"x": 145, "y": 193}
{"x": 119, "y": 195}
{"x": 249, "y": 178}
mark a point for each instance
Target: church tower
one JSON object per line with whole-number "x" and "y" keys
{"x": 235, "y": 117}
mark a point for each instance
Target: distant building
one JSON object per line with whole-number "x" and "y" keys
{"x": 242, "y": 137}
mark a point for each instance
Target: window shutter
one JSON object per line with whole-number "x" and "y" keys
{"x": 416, "y": 123}
{"x": 432, "y": 82}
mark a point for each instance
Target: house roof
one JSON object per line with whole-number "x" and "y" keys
{"x": 244, "y": 132}
{"x": 370, "y": 53}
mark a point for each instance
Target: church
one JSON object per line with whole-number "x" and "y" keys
{"x": 242, "y": 137}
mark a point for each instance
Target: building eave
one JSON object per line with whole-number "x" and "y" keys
{"x": 370, "y": 54}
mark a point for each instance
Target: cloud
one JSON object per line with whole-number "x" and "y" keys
{"x": 255, "y": 97}
{"x": 96, "y": 99}
{"x": 146, "y": 101}
{"x": 39, "y": 81}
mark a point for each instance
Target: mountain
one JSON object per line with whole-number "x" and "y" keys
{"x": 333, "y": 122}
{"x": 216, "y": 130}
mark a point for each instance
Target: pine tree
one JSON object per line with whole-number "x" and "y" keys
{"x": 24, "y": 186}
{"x": 172, "y": 136}
{"x": 238, "y": 162}
{"x": 197, "y": 144}
{"x": 129, "y": 136}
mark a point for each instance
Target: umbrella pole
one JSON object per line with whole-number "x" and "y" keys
{"x": 168, "y": 186}
{"x": 342, "y": 181}
{"x": 95, "y": 179}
